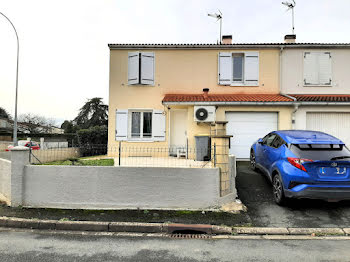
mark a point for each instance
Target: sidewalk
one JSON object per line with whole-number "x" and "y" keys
{"x": 144, "y": 221}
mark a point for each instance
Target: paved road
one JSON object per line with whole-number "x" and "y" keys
{"x": 5, "y": 155}
{"x": 255, "y": 190}
{"x": 38, "y": 247}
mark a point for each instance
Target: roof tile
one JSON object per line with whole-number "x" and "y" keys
{"x": 225, "y": 98}
{"x": 322, "y": 98}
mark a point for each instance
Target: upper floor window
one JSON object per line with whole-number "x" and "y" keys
{"x": 141, "y": 68}
{"x": 317, "y": 68}
{"x": 239, "y": 69}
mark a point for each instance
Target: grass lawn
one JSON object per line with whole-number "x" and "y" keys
{"x": 80, "y": 162}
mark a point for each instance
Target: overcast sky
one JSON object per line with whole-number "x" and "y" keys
{"x": 63, "y": 44}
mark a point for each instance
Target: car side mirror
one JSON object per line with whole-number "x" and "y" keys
{"x": 260, "y": 141}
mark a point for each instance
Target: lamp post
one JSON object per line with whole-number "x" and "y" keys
{"x": 15, "y": 141}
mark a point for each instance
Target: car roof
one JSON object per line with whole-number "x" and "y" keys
{"x": 307, "y": 137}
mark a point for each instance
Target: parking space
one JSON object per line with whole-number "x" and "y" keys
{"x": 254, "y": 189}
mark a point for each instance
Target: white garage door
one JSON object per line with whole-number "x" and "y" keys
{"x": 246, "y": 128}
{"x": 336, "y": 124}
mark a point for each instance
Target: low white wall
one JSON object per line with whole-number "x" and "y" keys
{"x": 120, "y": 187}
{"x": 49, "y": 145}
{"x": 5, "y": 180}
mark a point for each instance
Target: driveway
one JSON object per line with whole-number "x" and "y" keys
{"x": 254, "y": 189}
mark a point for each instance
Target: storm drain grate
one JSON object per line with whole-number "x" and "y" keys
{"x": 198, "y": 236}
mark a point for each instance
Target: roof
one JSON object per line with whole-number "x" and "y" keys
{"x": 322, "y": 98}
{"x": 227, "y": 46}
{"x": 307, "y": 137}
{"x": 179, "y": 98}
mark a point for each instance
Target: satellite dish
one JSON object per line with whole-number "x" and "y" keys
{"x": 218, "y": 17}
{"x": 290, "y": 6}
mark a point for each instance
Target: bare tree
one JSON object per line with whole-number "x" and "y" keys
{"x": 31, "y": 123}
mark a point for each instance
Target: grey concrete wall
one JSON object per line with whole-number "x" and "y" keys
{"x": 120, "y": 187}
{"x": 5, "y": 180}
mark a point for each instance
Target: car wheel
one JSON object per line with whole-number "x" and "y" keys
{"x": 252, "y": 160}
{"x": 277, "y": 190}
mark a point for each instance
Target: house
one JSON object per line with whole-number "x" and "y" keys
{"x": 317, "y": 76}
{"x": 158, "y": 92}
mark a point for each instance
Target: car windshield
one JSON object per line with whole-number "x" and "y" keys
{"x": 324, "y": 152}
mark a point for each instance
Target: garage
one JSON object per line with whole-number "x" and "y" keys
{"x": 246, "y": 128}
{"x": 334, "y": 123}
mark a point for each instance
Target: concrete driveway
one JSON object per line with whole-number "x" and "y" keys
{"x": 255, "y": 191}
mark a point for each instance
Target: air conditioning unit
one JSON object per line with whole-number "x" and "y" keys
{"x": 204, "y": 113}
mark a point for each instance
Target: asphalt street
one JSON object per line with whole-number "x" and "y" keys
{"x": 255, "y": 191}
{"x": 28, "y": 246}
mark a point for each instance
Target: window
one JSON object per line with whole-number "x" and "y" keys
{"x": 141, "y": 68}
{"x": 321, "y": 152}
{"x": 270, "y": 139}
{"x": 317, "y": 68}
{"x": 278, "y": 142}
{"x": 239, "y": 68}
{"x": 140, "y": 125}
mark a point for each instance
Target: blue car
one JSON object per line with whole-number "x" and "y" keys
{"x": 303, "y": 164}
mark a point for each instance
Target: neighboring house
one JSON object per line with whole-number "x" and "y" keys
{"x": 317, "y": 75}
{"x": 5, "y": 124}
{"x": 155, "y": 91}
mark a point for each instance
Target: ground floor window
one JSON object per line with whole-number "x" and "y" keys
{"x": 141, "y": 124}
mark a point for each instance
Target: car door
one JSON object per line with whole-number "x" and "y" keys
{"x": 273, "y": 152}
{"x": 265, "y": 149}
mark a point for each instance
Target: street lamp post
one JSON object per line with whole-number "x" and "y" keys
{"x": 15, "y": 141}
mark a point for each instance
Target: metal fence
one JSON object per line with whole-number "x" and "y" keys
{"x": 131, "y": 155}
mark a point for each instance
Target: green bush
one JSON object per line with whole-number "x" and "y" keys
{"x": 93, "y": 141}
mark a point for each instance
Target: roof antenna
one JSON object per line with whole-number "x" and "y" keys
{"x": 218, "y": 17}
{"x": 290, "y": 5}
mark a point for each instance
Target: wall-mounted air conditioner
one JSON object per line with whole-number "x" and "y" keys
{"x": 204, "y": 113}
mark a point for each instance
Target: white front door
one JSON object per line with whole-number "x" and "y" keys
{"x": 178, "y": 127}
{"x": 334, "y": 123}
{"x": 246, "y": 128}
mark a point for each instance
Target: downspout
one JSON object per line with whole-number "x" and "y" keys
{"x": 296, "y": 107}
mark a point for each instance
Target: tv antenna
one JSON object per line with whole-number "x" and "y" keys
{"x": 218, "y": 17}
{"x": 290, "y": 5}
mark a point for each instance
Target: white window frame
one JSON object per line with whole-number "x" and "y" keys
{"x": 331, "y": 69}
{"x": 141, "y": 138}
{"x": 139, "y": 83}
{"x": 243, "y": 82}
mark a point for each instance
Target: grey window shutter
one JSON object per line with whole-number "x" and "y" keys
{"x": 251, "y": 68}
{"x": 158, "y": 125}
{"x": 133, "y": 68}
{"x": 225, "y": 68}
{"x": 325, "y": 68}
{"x": 311, "y": 68}
{"x": 121, "y": 125}
{"x": 147, "y": 68}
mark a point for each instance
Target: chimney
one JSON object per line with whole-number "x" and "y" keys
{"x": 290, "y": 39}
{"x": 227, "y": 39}
{"x": 205, "y": 92}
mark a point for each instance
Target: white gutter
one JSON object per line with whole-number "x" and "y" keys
{"x": 230, "y": 103}
{"x": 300, "y": 103}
